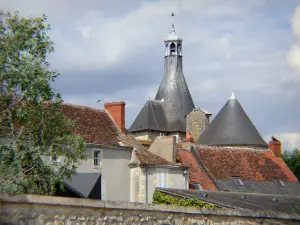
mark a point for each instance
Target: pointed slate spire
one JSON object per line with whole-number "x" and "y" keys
{"x": 173, "y": 93}
{"x": 232, "y": 127}
{"x": 173, "y": 87}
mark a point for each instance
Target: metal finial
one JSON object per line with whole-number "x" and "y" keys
{"x": 173, "y": 27}
{"x": 232, "y": 95}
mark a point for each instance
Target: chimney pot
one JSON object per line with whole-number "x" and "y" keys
{"x": 275, "y": 146}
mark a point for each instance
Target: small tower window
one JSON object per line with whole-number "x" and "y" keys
{"x": 166, "y": 49}
{"x": 172, "y": 49}
{"x": 179, "y": 49}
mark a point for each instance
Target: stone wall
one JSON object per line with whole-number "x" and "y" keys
{"x": 165, "y": 147}
{"x": 196, "y": 122}
{"x": 35, "y": 210}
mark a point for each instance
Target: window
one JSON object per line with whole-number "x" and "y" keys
{"x": 172, "y": 49}
{"x": 280, "y": 183}
{"x": 162, "y": 179}
{"x": 54, "y": 158}
{"x": 179, "y": 49}
{"x": 197, "y": 186}
{"x": 238, "y": 181}
{"x": 97, "y": 158}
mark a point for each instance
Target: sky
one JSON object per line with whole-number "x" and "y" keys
{"x": 112, "y": 50}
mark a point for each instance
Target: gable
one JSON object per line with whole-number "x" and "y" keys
{"x": 94, "y": 125}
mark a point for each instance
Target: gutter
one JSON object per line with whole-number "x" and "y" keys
{"x": 118, "y": 147}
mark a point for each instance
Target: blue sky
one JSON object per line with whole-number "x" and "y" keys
{"x": 113, "y": 50}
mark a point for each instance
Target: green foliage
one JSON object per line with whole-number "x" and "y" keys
{"x": 30, "y": 120}
{"x": 162, "y": 198}
{"x": 292, "y": 160}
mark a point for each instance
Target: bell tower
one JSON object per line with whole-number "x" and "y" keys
{"x": 173, "y": 89}
{"x": 166, "y": 114}
{"x": 173, "y": 43}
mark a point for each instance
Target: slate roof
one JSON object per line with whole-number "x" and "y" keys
{"x": 260, "y": 186}
{"x": 265, "y": 202}
{"x": 151, "y": 117}
{"x": 94, "y": 125}
{"x": 174, "y": 98}
{"x": 231, "y": 126}
{"x": 83, "y": 183}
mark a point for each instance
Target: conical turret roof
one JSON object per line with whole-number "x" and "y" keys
{"x": 232, "y": 127}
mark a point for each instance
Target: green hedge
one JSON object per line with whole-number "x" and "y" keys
{"x": 162, "y": 198}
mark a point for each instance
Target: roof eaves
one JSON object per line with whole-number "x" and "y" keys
{"x": 108, "y": 146}
{"x": 169, "y": 166}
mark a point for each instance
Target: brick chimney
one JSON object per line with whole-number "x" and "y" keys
{"x": 117, "y": 112}
{"x": 275, "y": 146}
{"x": 188, "y": 140}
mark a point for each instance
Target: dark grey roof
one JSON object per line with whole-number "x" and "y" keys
{"x": 175, "y": 98}
{"x": 151, "y": 117}
{"x": 231, "y": 126}
{"x": 266, "y": 202}
{"x": 260, "y": 186}
{"x": 83, "y": 183}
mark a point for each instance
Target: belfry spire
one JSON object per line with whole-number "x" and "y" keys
{"x": 173, "y": 26}
{"x": 173, "y": 100}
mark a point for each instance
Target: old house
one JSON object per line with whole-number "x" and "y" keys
{"x": 115, "y": 159}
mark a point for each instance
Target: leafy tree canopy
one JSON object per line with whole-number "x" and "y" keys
{"x": 292, "y": 159}
{"x": 32, "y": 130}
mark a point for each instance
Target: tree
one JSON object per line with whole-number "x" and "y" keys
{"x": 34, "y": 129}
{"x": 292, "y": 160}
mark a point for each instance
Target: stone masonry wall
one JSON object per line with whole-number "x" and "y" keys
{"x": 35, "y": 210}
{"x": 196, "y": 122}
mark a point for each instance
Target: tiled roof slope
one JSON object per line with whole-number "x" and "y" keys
{"x": 246, "y": 163}
{"x": 94, "y": 125}
{"x": 143, "y": 155}
{"x": 196, "y": 173}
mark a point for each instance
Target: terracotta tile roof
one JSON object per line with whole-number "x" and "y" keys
{"x": 196, "y": 173}
{"x": 94, "y": 125}
{"x": 148, "y": 158}
{"x": 247, "y": 163}
{"x": 144, "y": 157}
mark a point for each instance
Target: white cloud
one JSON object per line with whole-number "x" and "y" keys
{"x": 293, "y": 57}
{"x": 296, "y": 22}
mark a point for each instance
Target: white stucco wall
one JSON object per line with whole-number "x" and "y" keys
{"x": 176, "y": 179}
{"x": 115, "y": 172}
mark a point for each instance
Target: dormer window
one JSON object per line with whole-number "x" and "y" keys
{"x": 197, "y": 186}
{"x": 237, "y": 181}
{"x": 280, "y": 183}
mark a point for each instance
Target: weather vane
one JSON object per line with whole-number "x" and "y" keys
{"x": 173, "y": 29}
